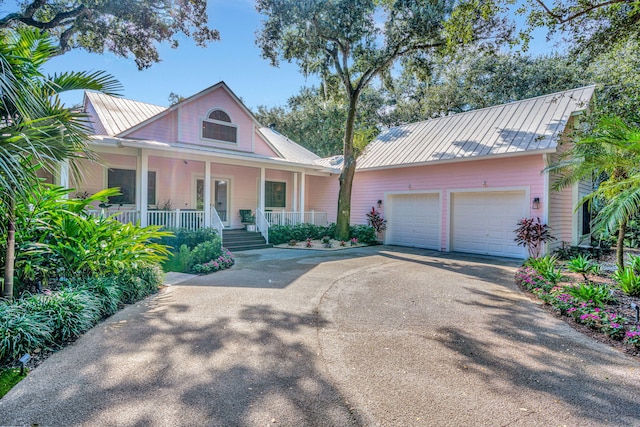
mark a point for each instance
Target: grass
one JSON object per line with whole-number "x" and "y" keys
{"x": 9, "y": 378}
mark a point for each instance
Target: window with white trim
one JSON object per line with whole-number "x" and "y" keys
{"x": 125, "y": 180}
{"x": 218, "y": 126}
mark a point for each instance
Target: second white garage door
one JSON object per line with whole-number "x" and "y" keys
{"x": 414, "y": 220}
{"x": 483, "y": 222}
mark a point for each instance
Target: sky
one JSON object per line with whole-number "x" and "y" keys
{"x": 189, "y": 69}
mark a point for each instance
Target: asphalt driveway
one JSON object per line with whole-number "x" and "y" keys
{"x": 369, "y": 336}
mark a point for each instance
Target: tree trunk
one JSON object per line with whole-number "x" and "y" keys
{"x": 620, "y": 245}
{"x": 348, "y": 171}
{"x": 9, "y": 260}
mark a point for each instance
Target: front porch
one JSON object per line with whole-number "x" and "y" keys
{"x": 184, "y": 190}
{"x": 196, "y": 219}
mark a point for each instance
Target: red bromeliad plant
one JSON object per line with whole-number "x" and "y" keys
{"x": 532, "y": 234}
{"x": 375, "y": 220}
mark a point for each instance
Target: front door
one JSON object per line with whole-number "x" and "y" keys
{"x": 219, "y": 197}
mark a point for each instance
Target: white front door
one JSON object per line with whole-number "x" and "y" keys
{"x": 220, "y": 197}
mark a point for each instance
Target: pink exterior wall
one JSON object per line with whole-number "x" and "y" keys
{"x": 322, "y": 195}
{"x": 192, "y": 113}
{"x": 261, "y": 147}
{"x": 175, "y": 181}
{"x": 163, "y": 129}
{"x": 501, "y": 174}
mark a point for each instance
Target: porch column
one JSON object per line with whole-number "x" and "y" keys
{"x": 63, "y": 175}
{"x": 294, "y": 204}
{"x": 302, "y": 187}
{"x": 142, "y": 183}
{"x": 262, "y": 185}
{"x": 207, "y": 193}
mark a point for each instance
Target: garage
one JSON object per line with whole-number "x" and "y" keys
{"x": 414, "y": 220}
{"x": 483, "y": 222}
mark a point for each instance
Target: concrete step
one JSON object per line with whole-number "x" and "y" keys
{"x": 243, "y": 240}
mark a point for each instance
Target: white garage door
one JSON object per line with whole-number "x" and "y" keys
{"x": 414, "y": 220}
{"x": 483, "y": 222}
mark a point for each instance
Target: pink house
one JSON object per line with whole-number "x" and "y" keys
{"x": 199, "y": 163}
{"x": 457, "y": 183}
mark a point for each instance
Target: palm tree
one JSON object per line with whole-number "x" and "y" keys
{"x": 610, "y": 152}
{"x": 37, "y": 130}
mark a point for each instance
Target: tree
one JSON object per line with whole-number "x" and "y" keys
{"x": 593, "y": 26}
{"x": 37, "y": 129}
{"x": 468, "y": 80}
{"x": 610, "y": 151}
{"x": 315, "y": 118}
{"x": 122, "y": 27}
{"x": 351, "y": 42}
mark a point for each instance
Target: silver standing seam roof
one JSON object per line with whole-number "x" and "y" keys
{"x": 114, "y": 115}
{"x": 119, "y": 114}
{"x": 517, "y": 127}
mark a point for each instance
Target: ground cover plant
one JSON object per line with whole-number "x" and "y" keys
{"x": 72, "y": 270}
{"x": 598, "y": 302}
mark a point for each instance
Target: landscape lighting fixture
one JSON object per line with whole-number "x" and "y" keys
{"x": 23, "y": 361}
{"x": 379, "y": 204}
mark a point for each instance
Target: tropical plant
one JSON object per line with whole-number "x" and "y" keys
{"x": 584, "y": 265}
{"x": 375, "y": 220}
{"x": 532, "y": 234}
{"x": 547, "y": 267}
{"x": 37, "y": 128}
{"x": 628, "y": 280}
{"x": 611, "y": 150}
{"x": 597, "y": 295}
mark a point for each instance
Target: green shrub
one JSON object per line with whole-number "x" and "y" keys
{"x": 190, "y": 238}
{"x": 140, "y": 281}
{"x": 597, "y": 295}
{"x": 108, "y": 291}
{"x": 69, "y": 312}
{"x": 628, "y": 280}
{"x": 279, "y": 234}
{"x": 206, "y": 251}
{"x": 364, "y": 233}
{"x": 22, "y": 331}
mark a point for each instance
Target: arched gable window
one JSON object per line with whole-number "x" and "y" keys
{"x": 218, "y": 126}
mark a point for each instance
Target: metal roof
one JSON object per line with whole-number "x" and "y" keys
{"x": 119, "y": 114}
{"x": 513, "y": 128}
{"x": 287, "y": 148}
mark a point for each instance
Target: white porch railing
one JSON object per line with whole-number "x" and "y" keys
{"x": 262, "y": 224}
{"x": 294, "y": 218}
{"x": 216, "y": 221}
{"x": 189, "y": 219}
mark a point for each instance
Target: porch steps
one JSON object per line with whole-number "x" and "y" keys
{"x": 243, "y": 240}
